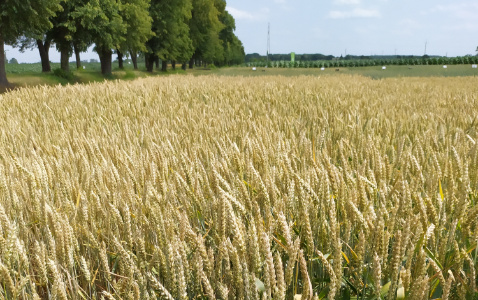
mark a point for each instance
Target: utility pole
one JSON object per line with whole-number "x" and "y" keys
{"x": 268, "y": 42}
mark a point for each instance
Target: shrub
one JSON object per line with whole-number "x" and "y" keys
{"x": 68, "y": 75}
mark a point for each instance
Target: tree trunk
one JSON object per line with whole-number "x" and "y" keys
{"x": 156, "y": 61}
{"x": 77, "y": 56}
{"x": 44, "y": 49}
{"x": 65, "y": 60}
{"x": 164, "y": 65}
{"x": 149, "y": 61}
{"x": 173, "y": 64}
{"x": 134, "y": 58}
{"x": 3, "y": 72}
{"x": 106, "y": 57}
{"x": 120, "y": 59}
{"x": 191, "y": 63}
{"x": 184, "y": 66}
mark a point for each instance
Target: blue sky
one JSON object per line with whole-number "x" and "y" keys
{"x": 337, "y": 27}
{"x": 360, "y": 27}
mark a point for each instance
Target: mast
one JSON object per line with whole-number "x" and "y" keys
{"x": 268, "y": 43}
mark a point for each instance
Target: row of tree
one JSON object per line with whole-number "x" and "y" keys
{"x": 336, "y": 63}
{"x": 163, "y": 30}
{"x": 256, "y": 57}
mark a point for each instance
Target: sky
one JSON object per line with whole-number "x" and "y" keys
{"x": 340, "y": 27}
{"x": 358, "y": 27}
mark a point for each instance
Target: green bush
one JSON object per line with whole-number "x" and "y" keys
{"x": 68, "y": 75}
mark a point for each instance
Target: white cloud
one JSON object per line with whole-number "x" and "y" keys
{"x": 347, "y": 2}
{"x": 283, "y": 4}
{"x": 462, "y": 11}
{"x": 457, "y": 7}
{"x": 462, "y": 15}
{"x": 238, "y": 14}
{"x": 459, "y": 10}
{"x": 356, "y": 13}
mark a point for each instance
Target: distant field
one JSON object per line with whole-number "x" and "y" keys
{"x": 30, "y": 74}
{"x": 374, "y": 72}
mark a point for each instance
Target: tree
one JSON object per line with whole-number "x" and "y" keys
{"x": 61, "y": 34}
{"x": 135, "y": 14}
{"x": 81, "y": 40}
{"x": 103, "y": 21}
{"x": 44, "y": 49}
{"x": 234, "y": 53}
{"x": 233, "y": 48}
{"x": 43, "y": 43}
{"x": 13, "y": 61}
{"x": 66, "y": 33}
{"x": 14, "y": 23}
{"x": 227, "y": 33}
{"x": 204, "y": 29}
{"x": 170, "y": 25}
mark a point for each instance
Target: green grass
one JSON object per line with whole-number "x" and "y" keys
{"x": 415, "y": 71}
{"x": 374, "y": 72}
{"x": 21, "y": 75}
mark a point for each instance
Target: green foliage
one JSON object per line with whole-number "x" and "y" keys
{"x": 104, "y": 23}
{"x": 205, "y": 27}
{"x": 129, "y": 75}
{"x": 64, "y": 27}
{"x": 233, "y": 48}
{"x": 234, "y": 52}
{"x": 19, "y": 17}
{"x": 352, "y": 63}
{"x": 13, "y": 61}
{"x": 136, "y": 17}
{"x": 170, "y": 25}
{"x": 169, "y": 30}
{"x": 64, "y": 74}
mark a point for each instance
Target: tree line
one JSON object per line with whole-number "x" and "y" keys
{"x": 183, "y": 31}
{"x": 256, "y": 57}
{"x": 363, "y": 62}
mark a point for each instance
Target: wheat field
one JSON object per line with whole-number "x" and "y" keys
{"x": 183, "y": 187}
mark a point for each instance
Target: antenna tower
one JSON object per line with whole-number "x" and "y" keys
{"x": 268, "y": 42}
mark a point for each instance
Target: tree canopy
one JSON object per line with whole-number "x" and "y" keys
{"x": 170, "y": 25}
{"x": 136, "y": 17}
{"x": 19, "y": 18}
{"x": 103, "y": 21}
{"x": 198, "y": 31}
